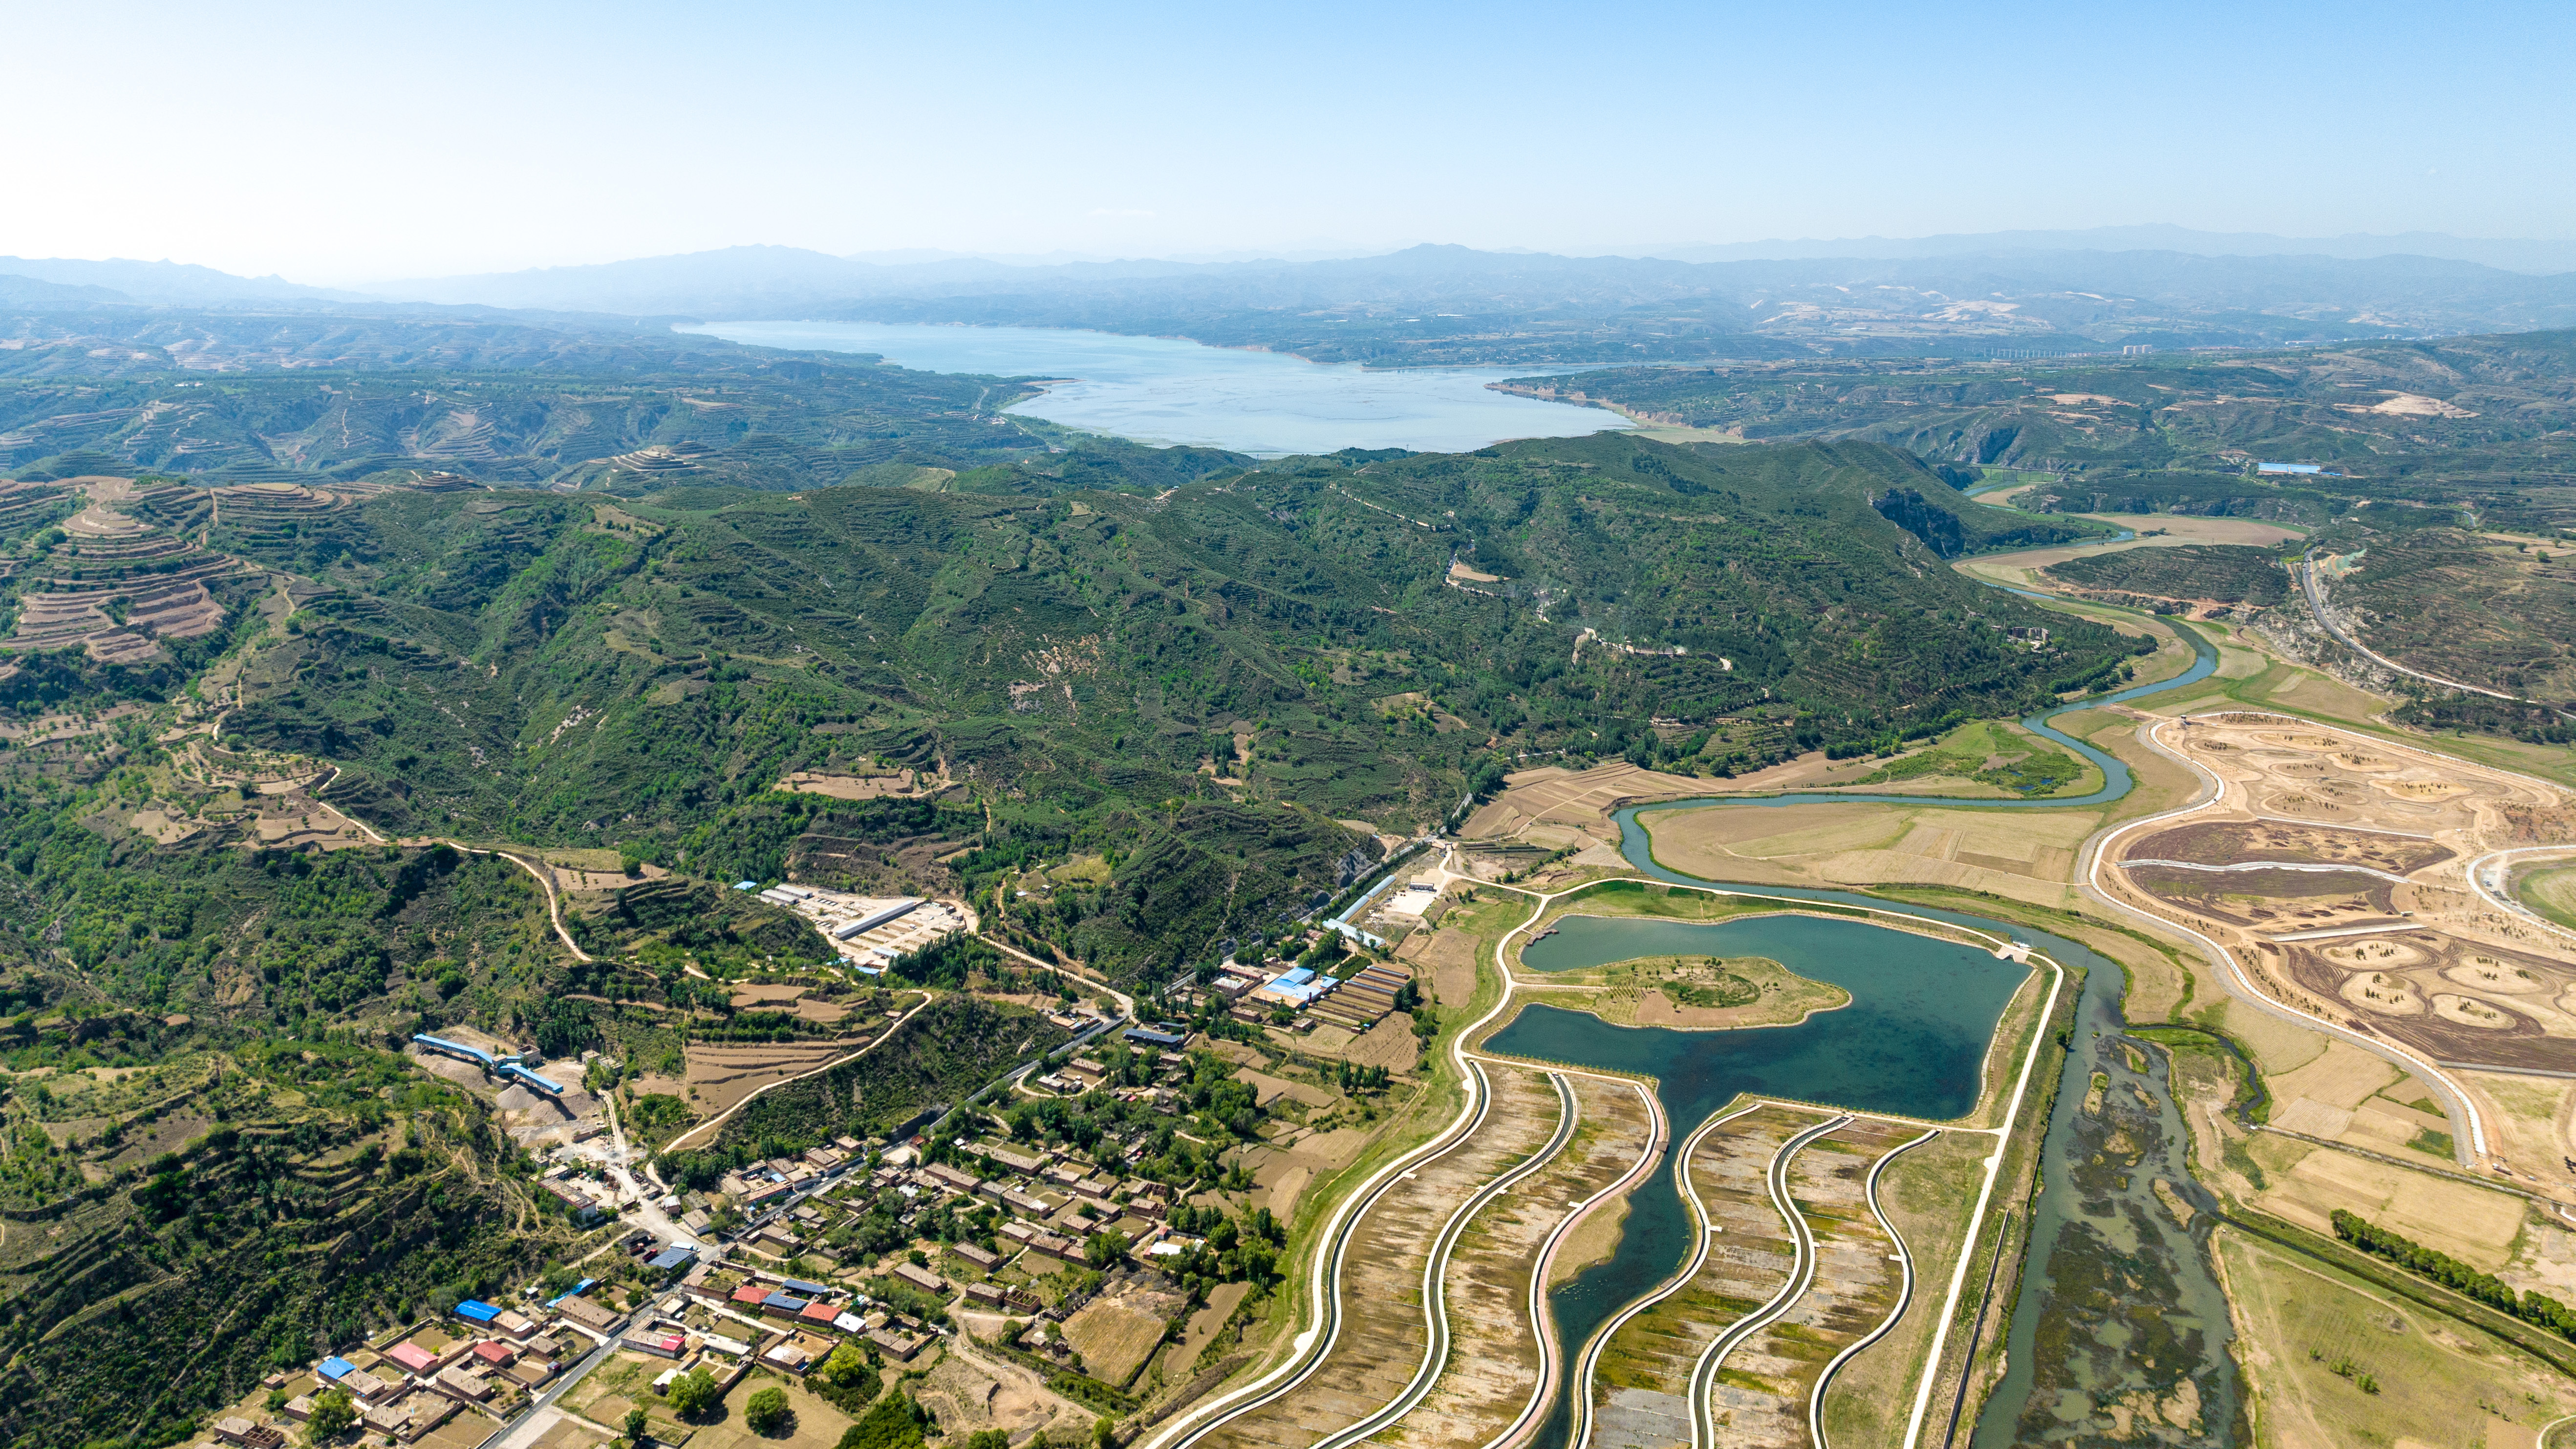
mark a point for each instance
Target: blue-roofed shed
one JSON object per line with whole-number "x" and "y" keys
{"x": 336, "y": 1368}
{"x": 783, "y": 1303}
{"x": 671, "y": 1258}
{"x": 475, "y": 1310}
{"x": 1147, "y": 1036}
{"x": 799, "y": 1285}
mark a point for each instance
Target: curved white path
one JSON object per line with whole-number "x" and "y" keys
{"x": 1435, "y": 1273}
{"x": 1802, "y": 1273}
{"x": 1904, "y": 1292}
{"x": 2469, "y": 1147}
{"x": 1322, "y": 1278}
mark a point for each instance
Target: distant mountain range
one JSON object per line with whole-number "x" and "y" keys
{"x": 155, "y": 284}
{"x": 2003, "y": 294}
{"x": 2505, "y": 255}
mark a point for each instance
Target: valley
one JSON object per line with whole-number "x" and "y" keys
{"x": 1583, "y": 940}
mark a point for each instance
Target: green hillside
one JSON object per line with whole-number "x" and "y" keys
{"x": 2459, "y": 419}
{"x": 2225, "y": 573}
{"x": 638, "y": 673}
{"x": 1188, "y": 670}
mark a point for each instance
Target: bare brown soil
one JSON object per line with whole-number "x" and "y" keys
{"x": 721, "y": 1075}
{"x": 2426, "y": 963}
{"x": 1448, "y": 959}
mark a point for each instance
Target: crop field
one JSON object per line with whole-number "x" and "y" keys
{"x": 1553, "y": 806}
{"x": 722, "y": 1075}
{"x": 2027, "y": 854}
{"x": 2467, "y": 1220}
{"x": 1116, "y": 1332}
{"x": 1446, "y": 959}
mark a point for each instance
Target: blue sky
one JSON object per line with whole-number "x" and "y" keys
{"x": 347, "y": 143}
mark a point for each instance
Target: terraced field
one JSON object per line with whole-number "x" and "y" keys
{"x": 1382, "y": 1336}
{"x": 117, "y": 584}
{"x": 1640, "y": 1378}
{"x": 1497, "y": 1359}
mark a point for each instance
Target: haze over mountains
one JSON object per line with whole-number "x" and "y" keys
{"x": 2000, "y": 294}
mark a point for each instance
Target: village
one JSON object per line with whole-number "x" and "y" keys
{"x": 1053, "y": 1254}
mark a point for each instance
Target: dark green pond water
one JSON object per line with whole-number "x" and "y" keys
{"x": 2119, "y": 1303}
{"x": 1913, "y": 1041}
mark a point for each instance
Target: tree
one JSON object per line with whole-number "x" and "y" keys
{"x": 1105, "y": 1248}
{"x": 766, "y": 1412}
{"x": 332, "y": 1416}
{"x": 845, "y": 1365}
{"x": 989, "y": 1439}
{"x": 693, "y": 1393}
{"x": 893, "y": 1422}
{"x": 1104, "y": 1434}
{"x": 636, "y": 1419}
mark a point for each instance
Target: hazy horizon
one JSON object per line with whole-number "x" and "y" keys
{"x": 340, "y": 148}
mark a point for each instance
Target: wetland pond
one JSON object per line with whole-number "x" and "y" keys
{"x": 1912, "y": 1041}
{"x": 2119, "y": 1333}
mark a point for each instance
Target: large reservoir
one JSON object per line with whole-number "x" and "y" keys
{"x": 1165, "y": 391}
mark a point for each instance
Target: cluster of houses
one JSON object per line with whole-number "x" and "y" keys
{"x": 790, "y": 1324}
{"x": 762, "y": 1183}
{"x": 1088, "y": 1073}
{"x": 1253, "y": 993}
{"x": 485, "y": 1358}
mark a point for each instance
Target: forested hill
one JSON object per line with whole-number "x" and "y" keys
{"x": 1084, "y": 662}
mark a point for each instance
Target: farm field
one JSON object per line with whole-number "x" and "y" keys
{"x": 2310, "y": 1335}
{"x": 723, "y": 1074}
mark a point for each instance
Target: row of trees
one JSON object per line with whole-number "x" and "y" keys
{"x": 2534, "y": 1308}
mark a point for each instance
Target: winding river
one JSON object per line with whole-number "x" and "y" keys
{"x": 2119, "y": 1317}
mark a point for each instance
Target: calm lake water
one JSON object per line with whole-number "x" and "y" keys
{"x": 1913, "y": 1041}
{"x": 1164, "y": 390}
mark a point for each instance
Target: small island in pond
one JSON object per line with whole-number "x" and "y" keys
{"x": 1694, "y": 992}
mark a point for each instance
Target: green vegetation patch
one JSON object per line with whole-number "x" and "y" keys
{"x": 1990, "y": 753}
{"x": 2223, "y": 573}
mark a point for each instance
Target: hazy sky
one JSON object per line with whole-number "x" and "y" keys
{"x": 345, "y": 143}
